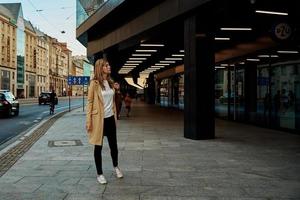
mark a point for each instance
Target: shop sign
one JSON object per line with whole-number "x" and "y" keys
{"x": 282, "y": 31}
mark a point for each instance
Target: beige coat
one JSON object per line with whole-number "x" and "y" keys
{"x": 95, "y": 113}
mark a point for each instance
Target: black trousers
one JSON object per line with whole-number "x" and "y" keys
{"x": 109, "y": 130}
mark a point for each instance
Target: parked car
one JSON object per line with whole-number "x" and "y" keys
{"x": 45, "y": 98}
{"x": 8, "y": 104}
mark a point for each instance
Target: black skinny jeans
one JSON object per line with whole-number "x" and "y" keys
{"x": 109, "y": 130}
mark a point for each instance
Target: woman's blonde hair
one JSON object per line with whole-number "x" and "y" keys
{"x": 98, "y": 71}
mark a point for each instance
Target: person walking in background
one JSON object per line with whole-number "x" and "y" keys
{"x": 128, "y": 101}
{"x": 100, "y": 117}
{"x": 118, "y": 98}
{"x": 52, "y": 102}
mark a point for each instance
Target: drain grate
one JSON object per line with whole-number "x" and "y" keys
{"x": 64, "y": 143}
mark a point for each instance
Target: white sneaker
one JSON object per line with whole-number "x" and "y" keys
{"x": 118, "y": 172}
{"x": 101, "y": 179}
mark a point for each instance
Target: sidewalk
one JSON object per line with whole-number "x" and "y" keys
{"x": 243, "y": 162}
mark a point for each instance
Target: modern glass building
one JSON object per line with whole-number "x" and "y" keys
{"x": 20, "y": 53}
{"x": 233, "y": 59}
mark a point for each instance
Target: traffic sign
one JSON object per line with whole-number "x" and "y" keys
{"x": 78, "y": 80}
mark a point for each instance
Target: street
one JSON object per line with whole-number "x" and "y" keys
{"x": 29, "y": 116}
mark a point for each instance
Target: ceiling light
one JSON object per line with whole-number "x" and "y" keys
{"x": 141, "y": 54}
{"x": 158, "y": 66}
{"x": 131, "y": 64}
{"x": 152, "y": 45}
{"x": 181, "y": 51}
{"x": 271, "y": 12}
{"x": 178, "y": 55}
{"x": 164, "y": 64}
{"x": 241, "y": 63}
{"x": 288, "y": 52}
{"x": 222, "y": 38}
{"x": 219, "y": 67}
{"x": 134, "y": 61}
{"x": 236, "y": 29}
{"x": 167, "y": 61}
{"x": 137, "y": 58}
{"x": 146, "y": 50}
{"x": 173, "y": 58}
{"x": 126, "y": 67}
{"x": 268, "y": 56}
{"x": 253, "y": 59}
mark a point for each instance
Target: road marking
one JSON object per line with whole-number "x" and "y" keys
{"x": 63, "y": 107}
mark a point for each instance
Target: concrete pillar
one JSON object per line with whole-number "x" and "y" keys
{"x": 199, "y": 122}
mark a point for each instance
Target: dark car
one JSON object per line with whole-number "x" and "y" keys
{"x": 45, "y": 98}
{"x": 8, "y": 104}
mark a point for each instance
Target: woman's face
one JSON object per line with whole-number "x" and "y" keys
{"x": 106, "y": 68}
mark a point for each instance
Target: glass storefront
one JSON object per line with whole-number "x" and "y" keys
{"x": 278, "y": 95}
{"x": 164, "y": 92}
{"x": 171, "y": 92}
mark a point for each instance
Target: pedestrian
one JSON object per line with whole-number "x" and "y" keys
{"x": 100, "y": 117}
{"x": 118, "y": 98}
{"x": 128, "y": 101}
{"x": 52, "y": 102}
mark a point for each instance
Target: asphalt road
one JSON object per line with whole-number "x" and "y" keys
{"x": 29, "y": 116}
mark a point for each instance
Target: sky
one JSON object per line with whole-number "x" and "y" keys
{"x": 52, "y": 17}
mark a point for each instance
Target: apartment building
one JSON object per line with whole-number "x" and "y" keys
{"x": 8, "y": 47}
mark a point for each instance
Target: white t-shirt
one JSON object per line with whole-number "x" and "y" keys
{"x": 108, "y": 95}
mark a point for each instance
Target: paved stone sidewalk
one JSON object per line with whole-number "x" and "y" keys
{"x": 243, "y": 162}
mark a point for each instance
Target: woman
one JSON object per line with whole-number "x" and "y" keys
{"x": 100, "y": 118}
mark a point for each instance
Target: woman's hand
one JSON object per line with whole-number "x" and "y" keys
{"x": 88, "y": 127}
